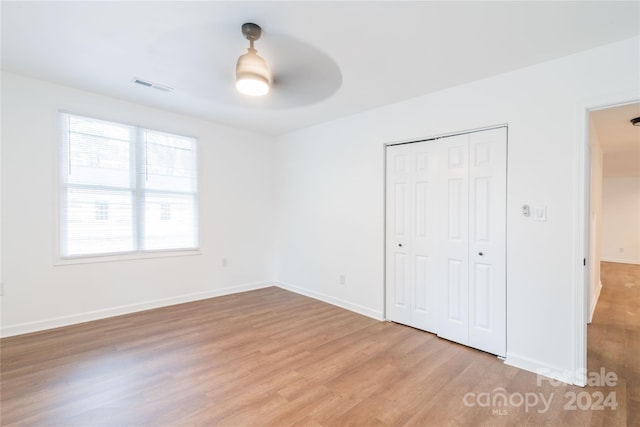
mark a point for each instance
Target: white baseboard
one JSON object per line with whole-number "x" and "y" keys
{"x": 594, "y": 301}
{"x": 542, "y": 369}
{"x": 332, "y": 300}
{"x": 621, "y": 260}
{"x": 56, "y": 322}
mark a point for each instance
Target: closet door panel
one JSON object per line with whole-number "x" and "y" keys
{"x": 487, "y": 241}
{"x": 425, "y": 234}
{"x": 453, "y": 274}
{"x": 399, "y": 203}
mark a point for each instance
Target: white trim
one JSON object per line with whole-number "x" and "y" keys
{"x": 594, "y": 301}
{"x": 540, "y": 368}
{"x": 356, "y": 308}
{"x": 581, "y": 208}
{"x": 384, "y": 230}
{"x": 445, "y": 135}
{"x": 129, "y": 256}
{"x": 621, "y": 261}
{"x": 56, "y": 322}
{"x": 57, "y": 180}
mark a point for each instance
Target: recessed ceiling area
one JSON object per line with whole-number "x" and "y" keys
{"x": 619, "y": 139}
{"x": 328, "y": 59}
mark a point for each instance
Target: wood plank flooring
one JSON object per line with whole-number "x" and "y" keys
{"x": 614, "y": 335}
{"x": 274, "y": 358}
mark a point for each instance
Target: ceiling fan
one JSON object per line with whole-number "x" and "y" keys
{"x": 253, "y": 77}
{"x": 198, "y": 60}
{"x": 302, "y": 74}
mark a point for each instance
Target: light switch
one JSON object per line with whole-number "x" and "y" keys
{"x": 540, "y": 213}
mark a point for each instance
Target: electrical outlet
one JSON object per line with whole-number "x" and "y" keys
{"x": 224, "y": 262}
{"x": 343, "y": 279}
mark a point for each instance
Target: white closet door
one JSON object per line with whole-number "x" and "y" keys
{"x": 411, "y": 294}
{"x": 487, "y": 240}
{"x": 446, "y": 229}
{"x": 399, "y": 205}
{"x": 425, "y": 235}
{"x": 454, "y": 252}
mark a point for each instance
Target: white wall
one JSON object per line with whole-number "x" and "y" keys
{"x": 621, "y": 220}
{"x": 330, "y": 193}
{"x": 595, "y": 218}
{"x": 236, "y": 201}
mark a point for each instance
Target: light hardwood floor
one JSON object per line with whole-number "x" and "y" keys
{"x": 273, "y": 358}
{"x": 614, "y": 335}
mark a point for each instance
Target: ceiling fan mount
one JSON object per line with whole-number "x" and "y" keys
{"x": 251, "y": 31}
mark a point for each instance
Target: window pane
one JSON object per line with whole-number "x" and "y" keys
{"x": 98, "y": 222}
{"x": 96, "y": 127}
{"x": 169, "y": 221}
{"x": 98, "y": 153}
{"x": 170, "y": 162}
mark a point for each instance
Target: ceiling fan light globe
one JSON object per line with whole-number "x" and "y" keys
{"x": 252, "y": 74}
{"x": 252, "y": 86}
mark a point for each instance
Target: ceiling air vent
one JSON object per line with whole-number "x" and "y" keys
{"x": 163, "y": 88}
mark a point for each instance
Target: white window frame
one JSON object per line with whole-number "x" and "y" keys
{"x": 58, "y": 216}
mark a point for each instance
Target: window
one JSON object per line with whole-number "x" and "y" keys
{"x": 165, "y": 211}
{"x": 102, "y": 210}
{"x": 125, "y": 189}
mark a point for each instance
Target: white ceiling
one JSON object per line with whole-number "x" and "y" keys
{"x": 329, "y": 59}
{"x": 619, "y": 139}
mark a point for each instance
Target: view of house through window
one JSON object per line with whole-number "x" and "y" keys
{"x": 125, "y": 189}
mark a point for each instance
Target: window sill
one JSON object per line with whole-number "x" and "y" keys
{"x": 124, "y": 257}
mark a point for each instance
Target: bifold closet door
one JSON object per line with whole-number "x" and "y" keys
{"x": 453, "y": 256}
{"x": 445, "y": 254}
{"x": 487, "y": 240}
{"x": 472, "y": 309}
{"x": 411, "y": 235}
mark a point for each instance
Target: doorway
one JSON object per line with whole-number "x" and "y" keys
{"x": 614, "y": 234}
{"x": 613, "y": 285}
